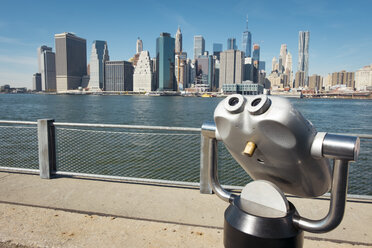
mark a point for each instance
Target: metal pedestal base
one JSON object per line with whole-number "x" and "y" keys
{"x": 246, "y": 230}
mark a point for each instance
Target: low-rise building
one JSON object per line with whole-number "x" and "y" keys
{"x": 363, "y": 78}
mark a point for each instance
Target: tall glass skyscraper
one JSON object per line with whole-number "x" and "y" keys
{"x": 247, "y": 41}
{"x": 256, "y": 52}
{"x": 199, "y": 46}
{"x": 217, "y": 49}
{"x": 165, "y": 62}
{"x": 98, "y": 58}
{"x": 303, "y": 53}
{"x": 231, "y": 44}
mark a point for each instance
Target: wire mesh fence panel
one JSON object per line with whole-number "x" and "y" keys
{"x": 229, "y": 171}
{"x": 161, "y": 155}
{"x": 360, "y": 172}
{"x": 19, "y": 147}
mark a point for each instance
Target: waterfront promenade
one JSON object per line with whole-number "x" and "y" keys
{"x": 70, "y": 212}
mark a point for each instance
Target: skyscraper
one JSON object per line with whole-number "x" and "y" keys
{"x": 217, "y": 49}
{"x": 274, "y": 63}
{"x": 165, "y": 62}
{"x": 231, "y": 67}
{"x": 98, "y": 58}
{"x": 231, "y": 44}
{"x": 36, "y": 82}
{"x": 118, "y": 76}
{"x": 288, "y": 68}
{"x": 256, "y": 52}
{"x": 282, "y": 57}
{"x": 303, "y": 53}
{"x": 247, "y": 41}
{"x": 47, "y": 68}
{"x": 139, "y": 45}
{"x": 143, "y": 75}
{"x": 180, "y": 69}
{"x": 71, "y": 61}
{"x": 178, "y": 45}
{"x": 199, "y": 46}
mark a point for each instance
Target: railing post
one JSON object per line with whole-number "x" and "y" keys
{"x": 205, "y": 188}
{"x": 47, "y": 147}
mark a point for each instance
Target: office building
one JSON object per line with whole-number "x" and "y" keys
{"x": 288, "y": 68}
{"x": 143, "y": 75}
{"x": 274, "y": 65}
{"x": 36, "y": 82}
{"x": 303, "y": 53}
{"x": 256, "y": 52}
{"x": 343, "y": 78}
{"x": 47, "y": 68}
{"x": 165, "y": 62}
{"x": 231, "y": 67}
{"x": 300, "y": 79}
{"x": 231, "y": 44}
{"x": 282, "y": 58}
{"x": 248, "y": 69}
{"x": 327, "y": 82}
{"x": 217, "y": 49}
{"x": 216, "y": 76}
{"x": 288, "y": 63}
{"x": 363, "y": 78}
{"x": 181, "y": 70}
{"x": 139, "y": 45}
{"x": 261, "y": 66}
{"x": 247, "y": 41}
{"x": 205, "y": 71}
{"x": 199, "y": 46}
{"x": 246, "y": 88}
{"x": 193, "y": 69}
{"x": 118, "y": 76}
{"x": 71, "y": 61}
{"x": 178, "y": 44}
{"x": 98, "y": 58}
{"x": 315, "y": 82}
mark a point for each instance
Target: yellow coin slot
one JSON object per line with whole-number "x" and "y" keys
{"x": 249, "y": 148}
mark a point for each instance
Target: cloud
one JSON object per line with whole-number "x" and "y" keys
{"x": 20, "y": 60}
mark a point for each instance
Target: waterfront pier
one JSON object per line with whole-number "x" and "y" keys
{"x": 118, "y": 203}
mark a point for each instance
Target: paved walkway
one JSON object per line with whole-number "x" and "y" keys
{"x": 67, "y": 212}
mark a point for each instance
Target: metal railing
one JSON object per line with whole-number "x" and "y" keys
{"x": 148, "y": 154}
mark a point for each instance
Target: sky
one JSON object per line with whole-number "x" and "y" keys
{"x": 340, "y": 31}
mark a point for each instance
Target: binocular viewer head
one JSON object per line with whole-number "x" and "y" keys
{"x": 272, "y": 141}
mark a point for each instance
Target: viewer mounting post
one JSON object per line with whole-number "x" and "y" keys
{"x": 47, "y": 147}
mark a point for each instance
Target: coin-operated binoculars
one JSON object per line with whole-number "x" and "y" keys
{"x": 283, "y": 153}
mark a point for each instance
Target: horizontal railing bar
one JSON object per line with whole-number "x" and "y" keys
{"x": 129, "y": 179}
{"x": 188, "y": 129}
{"x": 362, "y": 136}
{"x": 18, "y": 122}
{"x": 34, "y": 171}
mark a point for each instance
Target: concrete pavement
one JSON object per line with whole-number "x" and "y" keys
{"x": 69, "y": 212}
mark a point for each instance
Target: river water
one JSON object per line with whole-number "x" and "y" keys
{"x": 329, "y": 115}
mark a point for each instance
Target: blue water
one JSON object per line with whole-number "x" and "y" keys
{"x": 329, "y": 115}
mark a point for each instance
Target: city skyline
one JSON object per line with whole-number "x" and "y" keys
{"x": 331, "y": 48}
